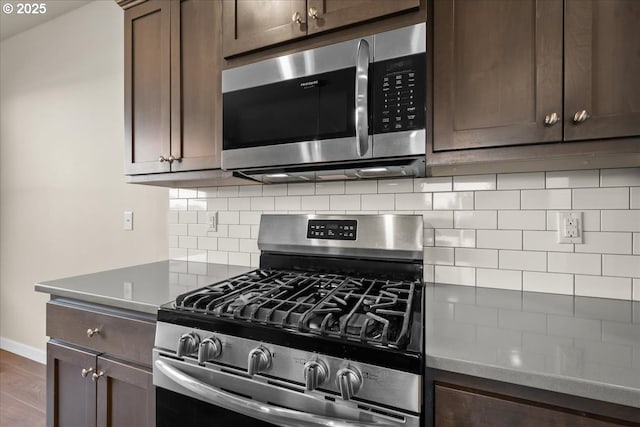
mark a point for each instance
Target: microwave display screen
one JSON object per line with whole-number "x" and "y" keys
{"x": 314, "y": 107}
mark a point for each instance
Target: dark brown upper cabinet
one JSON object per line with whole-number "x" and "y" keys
{"x": 250, "y": 25}
{"x": 602, "y": 69}
{"x": 497, "y": 72}
{"x": 173, "y": 106}
{"x": 498, "y": 79}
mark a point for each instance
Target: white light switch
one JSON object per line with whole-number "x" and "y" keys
{"x": 569, "y": 227}
{"x": 128, "y": 221}
{"x": 212, "y": 219}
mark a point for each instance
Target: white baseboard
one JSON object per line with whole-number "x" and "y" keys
{"x": 24, "y": 350}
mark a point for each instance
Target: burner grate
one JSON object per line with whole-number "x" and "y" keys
{"x": 372, "y": 311}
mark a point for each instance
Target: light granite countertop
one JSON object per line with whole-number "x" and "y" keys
{"x": 142, "y": 287}
{"x": 581, "y": 346}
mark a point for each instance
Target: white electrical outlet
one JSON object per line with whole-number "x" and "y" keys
{"x": 569, "y": 227}
{"x": 212, "y": 221}
{"x": 128, "y": 221}
{"x": 127, "y": 290}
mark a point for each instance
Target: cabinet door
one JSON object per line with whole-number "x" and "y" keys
{"x": 71, "y": 398}
{"x": 252, "y": 24}
{"x": 339, "y": 13}
{"x": 602, "y": 68}
{"x": 455, "y": 407}
{"x": 196, "y": 102}
{"x": 497, "y": 72}
{"x": 125, "y": 395}
{"x": 147, "y": 87}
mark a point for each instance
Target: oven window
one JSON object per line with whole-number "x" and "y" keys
{"x": 305, "y": 109}
{"x": 177, "y": 410}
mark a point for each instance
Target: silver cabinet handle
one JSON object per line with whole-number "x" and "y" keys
{"x": 362, "y": 100}
{"x": 96, "y": 377}
{"x": 296, "y": 18}
{"x": 172, "y": 159}
{"x": 85, "y": 372}
{"x": 551, "y": 119}
{"x": 313, "y": 13}
{"x": 162, "y": 159}
{"x": 261, "y": 411}
{"x": 92, "y": 332}
{"x": 581, "y": 116}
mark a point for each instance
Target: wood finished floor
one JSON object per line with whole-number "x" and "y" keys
{"x": 22, "y": 391}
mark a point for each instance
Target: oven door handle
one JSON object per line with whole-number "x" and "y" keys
{"x": 362, "y": 98}
{"x": 266, "y": 412}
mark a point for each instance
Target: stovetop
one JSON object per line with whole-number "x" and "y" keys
{"x": 368, "y": 310}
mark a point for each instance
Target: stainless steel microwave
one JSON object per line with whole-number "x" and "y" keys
{"x": 350, "y": 110}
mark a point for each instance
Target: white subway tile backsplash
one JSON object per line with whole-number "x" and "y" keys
{"x": 624, "y": 177}
{"x": 361, "y": 187}
{"x": 241, "y": 231}
{"x": 429, "y": 185}
{"x": 635, "y": 198}
{"x": 455, "y": 275}
{"x": 448, "y": 201}
{"x": 522, "y": 260}
{"x": 377, "y": 202}
{"x": 288, "y": 203}
{"x": 334, "y": 187}
{"x": 522, "y": 220}
{"x": 255, "y": 260}
{"x": 544, "y": 241}
{"x": 501, "y": 279}
{"x": 413, "y": 201}
{"x": 499, "y": 239}
{"x": 474, "y": 182}
{"x": 437, "y": 219}
{"x": 345, "y": 202}
{"x": 554, "y": 283}
{"x": 301, "y": 189}
{"x": 487, "y": 258}
{"x": 603, "y": 287}
{"x": 236, "y": 204}
{"x": 455, "y": 238}
{"x": 606, "y": 243}
{"x": 274, "y": 190}
{"x": 573, "y": 179}
{"x": 575, "y": 263}
{"x": 546, "y": 199}
{"x": 520, "y": 181}
{"x": 601, "y": 198}
{"x": 621, "y": 220}
{"x": 509, "y": 199}
{"x": 490, "y": 231}
{"x": 621, "y": 265}
{"x": 439, "y": 256}
{"x": 475, "y": 219}
{"x": 395, "y": 186}
{"x": 228, "y": 217}
{"x": 250, "y": 191}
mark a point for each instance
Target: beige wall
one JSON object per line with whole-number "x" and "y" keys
{"x": 63, "y": 191}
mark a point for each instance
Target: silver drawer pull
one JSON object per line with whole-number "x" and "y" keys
{"x": 92, "y": 332}
{"x": 85, "y": 372}
{"x": 96, "y": 377}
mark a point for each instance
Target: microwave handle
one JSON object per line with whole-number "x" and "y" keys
{"x": 362, "y": 87}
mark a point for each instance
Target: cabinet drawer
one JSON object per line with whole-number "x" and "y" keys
{"x": 118, "y": 335}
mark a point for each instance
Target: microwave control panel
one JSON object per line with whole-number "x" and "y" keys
{"x": 399, "y": 94}
{"x": 332, "y": 229}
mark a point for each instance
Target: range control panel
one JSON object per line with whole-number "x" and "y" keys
{"x": 399, "y": 94}
{"x": 333, "y": 229}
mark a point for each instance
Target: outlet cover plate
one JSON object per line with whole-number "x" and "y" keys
{"x": 569, "y": 227}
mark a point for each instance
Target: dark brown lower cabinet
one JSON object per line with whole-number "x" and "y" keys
{"x": 98, "y": 367}
{"x": 456, "y": 407}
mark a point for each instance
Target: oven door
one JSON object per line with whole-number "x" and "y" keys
{"x": 231, "y": 396}
{"x": 308, "y": 107}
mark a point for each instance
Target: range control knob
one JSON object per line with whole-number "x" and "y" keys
{"x": 349, "y": 381}
{"x": 209, "y": 349}
{"x": 188, "y": 344}
{"x": 315, "y": 374}
{"x": 259, "y": 360}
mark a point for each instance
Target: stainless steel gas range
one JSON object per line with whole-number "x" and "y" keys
{"x": 327, "y": 332}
